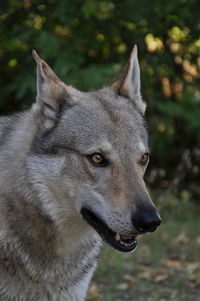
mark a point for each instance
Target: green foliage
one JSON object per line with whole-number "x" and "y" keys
{"x": 87, "y": 42}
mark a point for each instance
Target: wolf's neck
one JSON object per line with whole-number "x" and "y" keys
{"x": 29, "y": 257}
{"x": 41, "y": 249}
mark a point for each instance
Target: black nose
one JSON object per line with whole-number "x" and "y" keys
{"x": 146, "y": 220}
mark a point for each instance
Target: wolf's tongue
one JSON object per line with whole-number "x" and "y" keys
{"x": 125, "y": 238}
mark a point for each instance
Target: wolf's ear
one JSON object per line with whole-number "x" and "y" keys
{"x": 128, "y": 82}
{"x": 51, "y": 91}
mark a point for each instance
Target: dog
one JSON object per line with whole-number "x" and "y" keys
{"x": 71, "y": 178}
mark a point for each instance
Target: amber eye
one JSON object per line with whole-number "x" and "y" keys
{"x": 144, "y": 160}
{"x": 98, "y": 160}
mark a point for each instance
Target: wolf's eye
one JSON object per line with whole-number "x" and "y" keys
{"x": 98, "y": 160}
{"x": 144, "y": 159}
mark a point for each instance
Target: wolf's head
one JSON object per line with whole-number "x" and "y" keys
{"x": 90, "y": 154}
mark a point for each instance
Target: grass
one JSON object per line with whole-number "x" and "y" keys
{"x": 164, "y": 267}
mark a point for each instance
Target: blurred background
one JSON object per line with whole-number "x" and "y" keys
{"x": 87, "y": 43}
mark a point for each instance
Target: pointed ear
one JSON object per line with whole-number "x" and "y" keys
{"x": 51, "y": 91}
{"x": 128, "y": 82}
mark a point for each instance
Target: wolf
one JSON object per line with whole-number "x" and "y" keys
{"x": 71, "y": 178}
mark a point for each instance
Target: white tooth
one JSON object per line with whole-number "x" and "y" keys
{"x": 117, "y": 236}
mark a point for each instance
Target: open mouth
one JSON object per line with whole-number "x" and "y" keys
{"x": 123, "y": 243}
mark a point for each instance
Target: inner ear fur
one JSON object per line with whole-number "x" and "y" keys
{"x": 128, "y": 82}
{"x": 52, "y": 93}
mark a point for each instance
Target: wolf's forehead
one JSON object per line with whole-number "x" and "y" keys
{"x": 127, "y": 122}
{"x": 104, "y": 121}
{"x": 101, "y": 117}
{"x": 106, "y": 105}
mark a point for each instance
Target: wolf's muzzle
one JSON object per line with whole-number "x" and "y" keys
{"x": 123, "y": 243}
{"x": 146, "y": 220}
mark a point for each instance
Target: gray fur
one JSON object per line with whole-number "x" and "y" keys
{"x": 47, "y": 250}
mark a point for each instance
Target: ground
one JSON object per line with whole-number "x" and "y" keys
{"x": 165, "y": 266}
